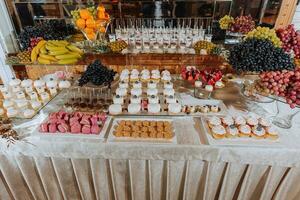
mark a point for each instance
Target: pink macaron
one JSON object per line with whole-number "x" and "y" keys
{"x": 95, "y": 129}
{"x": 86, "y": 129}
{"x": 76, "y": 128}
{"x": 63, "y": 127}
{"x": 52, "y": 128}
{"x": 44, "y": 128}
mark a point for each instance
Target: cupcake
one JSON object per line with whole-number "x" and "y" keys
{"x": 214, "y": 108}
{"x": 39, "y": 83}
{"x": 214, "y": 121}
{"x": 218, "y": 132}
{"x": 26, "y": 83}
{"x": 153, "y": 99}
{"x": 115, "y": 109}
{"x": 151, "y": 92}
{"x": 251, "y": 121}
{"x": 134, "y": 108}
{"x": 135, "y": 99}
{"x": 65, "y": 84}
{"x": 204, "y": 109}
{"x": 232, "y": 131}
{"x": 20, "y": 95}
{"x": 137, "y": 84}
{"x": 227, "y": 121}
{"x": 168, "y": 85}
{"x": 11, "y": 112}
{"x": 145, "y": 77}
{"x": 239, "y": 120}
{"x": 258, "y": 132}
{"x": 121, "y": 92}
{"x": 209, "y": 88}
{"x": 154, "y": 108}
{"x": 118, "y": 99}
{"x": 174, "y": 108}
{"x": 136, "y": 91}
{"x": 264, "y": 122}
{"x": 14, "y": 82}
{"x": 272, "y": 133}
{"x": 171, "y": 99}
{"x": 123, "y": 84}
{"x": 169, "y": 92}
{"x": 198, "y": 84}
{"x": 245, "y": 131}
{"x": 152, "y": 85}
{"x": 51, "y": 83}
{"x": 28, "y": 113}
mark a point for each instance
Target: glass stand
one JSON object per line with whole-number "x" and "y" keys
{"x": 283, "y": 121}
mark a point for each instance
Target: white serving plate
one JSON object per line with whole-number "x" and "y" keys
{"x": 238, "y": 141}
{"x": 68, "y": 135}
{"x": 113, "y": 138}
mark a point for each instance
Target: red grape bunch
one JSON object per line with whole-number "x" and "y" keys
{"x": 243, "y": 24}
{"x": 290, "y": 39}
{"x": 293, "y": 92}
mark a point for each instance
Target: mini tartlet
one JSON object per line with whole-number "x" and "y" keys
{"x": 245, "y": 131}
{"x": 232, "y": 131}
{"x": 218, "y": 132}
{"x": 258, "y": 132}
{"x": 214, "y": 121}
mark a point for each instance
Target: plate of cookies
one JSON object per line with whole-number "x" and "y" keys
{"x": 240, "y": 130}
{"x": 153, "y": 130}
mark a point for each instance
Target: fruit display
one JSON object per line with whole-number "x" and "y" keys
{"x": 74, "y": 123}
{"x": 290, "y": 39}
{"x": 55, "y": 51}
{"x": 242, "y": 24}
{"x": 265, "y": 33}
{"x": 226, "y": 22}
{"x": 258, "y": 55}
{"x": 202, "y": 44}
{"x": 25, "y": 57}
{"x": 283, "y": 83}
{"x": 48, "y": 30}
{"x": 297, "y": 62}
{"x": 97, "y": 74}
{"x": 90, "y": 21}
{"x": 190, "y": 73}
{"x": 210, "y": 76}
{"x": 117, "y": 46}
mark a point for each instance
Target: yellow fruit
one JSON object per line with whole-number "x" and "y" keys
{"x": 48, "y": 57}
{"x": 74, "y": 48}
{"x": 56, "y": 53}
{"x": 80, "y": 23}
{"x": 40, "y": 45}
{"x": 58, "y": 43}
{"x": 67, "y": 61}
{"x": 66, "y": 56}
{"x": 43, "y": 61}
{"x": 54, "y": 48}
{"x": 85, "y": 14}
{"x": 33, "y": 55}
{"x": 43, "y": 50}
{"x": 78, "y": 55}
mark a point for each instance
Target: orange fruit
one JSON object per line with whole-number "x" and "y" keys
{"x": 90, "y": 23}
{"x": 80, "y": 23}
{"x": 91, "y": 36}
{"x": 85, "y": 14}
{"x": 88, "y": 30}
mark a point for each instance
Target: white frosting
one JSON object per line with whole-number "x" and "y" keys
{"x": 64, "y": 84}
{"x": 121, "y": 91}
{"x": 20, "y": 95}
{"x": 33, "y": 95}
{"x": 16, "y": 89}
{"x": 232, "y": 130}
{"x": 134, "y": 76}
{"x": 169, "y": 92}
{"x": 259, "y": 131}
{"x": 53, "y": 91}
{"x": 154, "y": 108}
{"x": 118, "y": 100}
{"x": 125, "y": 71}
{"x": 51, "y": 84}
{"x": 28, "y": 113}
{"x": 209, "y": 88}
{"x": 7, "y": 104}
{"x": 151, "y": 91}
{"x": 26, "y": 83}
{"x": 227, "y": 120}
{"x": 136, "y": 91}
{"x": 14, "y": 82}
{"x": 239, "y": 120}
{"x": 174, "y": 107}
{"x": 124, "y": 77}
{"x": 11, "y": 112}
{"x": 252, "y": 121}
{"x": 39, "y": 83}
{"x": 153, "y": 99}
{"x": 145, "y": 71}
{"x": 152, "y": 85}
{"x": 22, "y": 103}
{"x": 219, "y": 130}
{"x": 155, "y": 71}
{"x": 134, "y": 108}
{"x": 137, "y": 84}
{"x": 214, "y": 121}
{"x": 155, "y": 76}
{"x": 135, "y": 99}
{"x": 36, "y": 104}
{"x": 115, "y": 109}
{"x": 264, "y": 122}
{"x": 170, "y": 99}
{"x": 168, "y": 85}
{"x": 245, "y": 129}
{"x": 198, "y": 84}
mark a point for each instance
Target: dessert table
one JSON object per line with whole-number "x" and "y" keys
{"x": 36, "y": 168}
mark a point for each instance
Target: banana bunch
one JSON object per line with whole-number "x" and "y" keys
{"x": 55, "y": 52}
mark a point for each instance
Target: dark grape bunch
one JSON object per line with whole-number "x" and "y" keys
{"x": 257, "y": 55}
{"x": 48, "y": 30}
{"x": 97, "y": 74}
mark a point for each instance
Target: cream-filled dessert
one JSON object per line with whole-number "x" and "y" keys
{"x": 115, "y": 109}
{"x": 153, "y": 99}
{"x": 151, "y": 92}
{"x": 16, "y": 89}
{"x": 154, "y": 108}
{"x": 20, "y": 95}
{"x": 214, "y": 121}
{"x": 258, "y": 132}
{"x": 65, "y": 84}
{"x": 21, "y": 103}
{"x": 40, "y": 89}
{"x": 245, "y": 131}
{"x": 121, "y": 91}
{"x": 166, "y": 78}
{"x": 123, "y": 84}
{"x": 45, "y": 97}
{"x": 3, "y": 88}
{"x": 135, "y": 99}
{"x": 239, "y": 120}
{"x": 145, "y": 77}
{"x": 53, "y": 91}
{"x": 218, "y": 132}
{"x": 134, "y": 77}
{"x": 28, "y": 89}
{"x": 136, "y": 91}
{"x": 33, "y": 95}
{"x": 152, "y": 85}
{"x": 174, "y": 108}
{"x": 134, "y": 108}
{"x": 168, "y": 85}
{"x": 137, "y": 84}
{"x": 118, "y": 99}
{"x": 227, "y": 121}
{"x": 7, "y": 95}
{"x": 232, "y": 131}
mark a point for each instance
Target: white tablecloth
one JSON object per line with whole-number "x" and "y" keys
{"x": 80, "y": 169}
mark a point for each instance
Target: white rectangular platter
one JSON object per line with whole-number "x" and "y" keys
{"x": 238, "y": 141}
{"x": 58, "y": 135}
{"x": 115, "y": 121}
